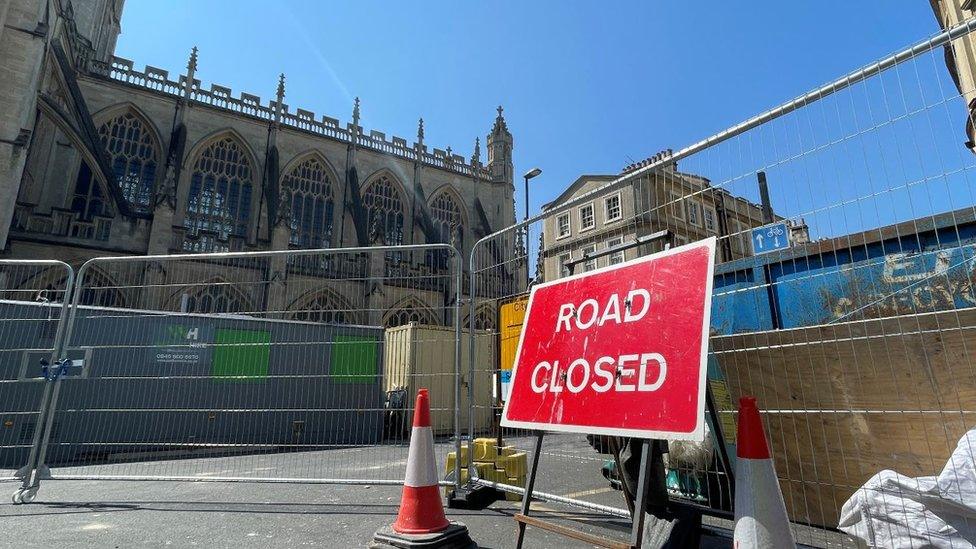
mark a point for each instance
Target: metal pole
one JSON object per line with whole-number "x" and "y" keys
{"x": 529, "y": 487}
{"x": 30, "y": 475}
{"x": 767, "y": 206}
{"x": 459, "y": 265}
{"x": 640, "y": 507}
{"x": 65, "y": 340}
{"x": 528, "y": 276}
{"x": 472, "y": 472}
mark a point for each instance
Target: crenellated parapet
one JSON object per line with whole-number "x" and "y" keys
{"x": 246, "y": 104}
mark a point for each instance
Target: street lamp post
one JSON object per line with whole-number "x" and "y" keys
{"x": 529, "y": 175}
{"x": 534, "y": 172}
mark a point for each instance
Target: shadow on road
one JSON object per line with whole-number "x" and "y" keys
{"x": 71, "y": 507}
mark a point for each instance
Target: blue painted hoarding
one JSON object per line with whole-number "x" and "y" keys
{"x": 931, "y": 269}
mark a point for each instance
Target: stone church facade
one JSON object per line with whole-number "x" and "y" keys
{"x": 101, "y": 159}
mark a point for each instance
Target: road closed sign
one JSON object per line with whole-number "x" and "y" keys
{"x": 618, "y": 351}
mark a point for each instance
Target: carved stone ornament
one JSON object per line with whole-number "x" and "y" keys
{"x": 166, "y": 190}
{"x": 284, "y": 207}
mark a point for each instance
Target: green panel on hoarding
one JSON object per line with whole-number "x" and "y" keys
{"x": 241, "y": 355}
{"x": 354, "y": 359}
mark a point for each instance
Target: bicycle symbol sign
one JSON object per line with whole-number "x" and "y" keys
{"x": 770, "y": 238}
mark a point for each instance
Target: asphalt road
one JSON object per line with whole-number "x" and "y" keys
{"x": 144, "y": 513}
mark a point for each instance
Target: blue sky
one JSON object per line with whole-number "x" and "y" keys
{"x": 587, "y": 86}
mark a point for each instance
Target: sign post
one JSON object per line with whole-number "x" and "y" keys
{"x": 619, "y": 351}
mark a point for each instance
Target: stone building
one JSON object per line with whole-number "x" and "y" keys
{"x": 960, "y": 56}
{"x": 683, "y": 203}
{"x": 98, "y": 158}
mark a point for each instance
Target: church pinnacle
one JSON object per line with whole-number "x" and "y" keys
{"x": 500, "y": 125}
{"x": 281, "y": 88}
{"x": 191, "y": 65}
{"x": 500, "y": 145}
{"x": 279, "y": 99}
{"x": 191, "y": 71}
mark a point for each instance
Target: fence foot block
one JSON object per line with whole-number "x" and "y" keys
{"x": 474, "y": 497}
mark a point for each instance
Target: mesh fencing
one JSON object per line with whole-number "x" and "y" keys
{"x": 33, "y": 301}
{"x": 294, "y": 366}
{"x": 843, "y": 301}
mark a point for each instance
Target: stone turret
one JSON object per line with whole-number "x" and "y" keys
{"x": 99, "y": 21}
{"x": 500, "y": 145}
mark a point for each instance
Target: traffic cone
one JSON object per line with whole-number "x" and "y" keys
{"x": 421, "y": 521}
{"x": 760, "y": 514}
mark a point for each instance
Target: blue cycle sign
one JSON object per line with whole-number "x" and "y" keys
{"x": 770, "y": 238}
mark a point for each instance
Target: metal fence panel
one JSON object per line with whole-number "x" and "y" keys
{"x": 260, "y": 366}
{"x": 846, "y": 308}
{"x": 34, "y": 296}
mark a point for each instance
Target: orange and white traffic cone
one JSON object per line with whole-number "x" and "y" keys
{"x": 421, "y": 521}
{"x": 760, "y": 514}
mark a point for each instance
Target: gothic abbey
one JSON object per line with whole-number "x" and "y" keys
{"x": 98, "y": 158}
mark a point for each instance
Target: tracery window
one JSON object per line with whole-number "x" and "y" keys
{"x": 484, "y": 319}
{"x": 220, "y": 191}
{"x": 449, "y": 223}
{"x": 133, "y": 153}
{"x": 311, "y": 204}
{"x": 448, "y": 219}
{"x": 100, "y": 291}
{"x": 217, "y": 297}
{"x": 407, "y": 313}
{"x": 325, "y": 308}
{"x": 49, "y": 286}
{"x": 88, "y": 199}
{"x": 384, "y": 211}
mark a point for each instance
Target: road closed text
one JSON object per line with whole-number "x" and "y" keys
{"x": 645, "y": 372}
{"x": 626, "y": 372}
{"x": 618, "y": 351}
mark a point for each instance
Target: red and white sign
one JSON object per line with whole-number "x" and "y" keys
{"x": 620, "y": 350}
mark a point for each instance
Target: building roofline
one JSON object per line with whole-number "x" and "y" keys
{"x": 158, "y": 82}
{"x": 576, "y": 185}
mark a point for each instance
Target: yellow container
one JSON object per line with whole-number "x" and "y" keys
{"x": 485, "y": 449}
{"x": 498, "y": 475}
{"x": 515, "y": 465}
{"x": 452, "y": 456}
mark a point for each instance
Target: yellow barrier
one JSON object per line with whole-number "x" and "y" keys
{"x": 505, "y": 465}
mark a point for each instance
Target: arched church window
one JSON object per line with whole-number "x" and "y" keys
{"x": 88, "y": 199}
{"x": 449, "y": 223}
{"x": 100, "y": 291}
{"x": 219, "y": 199}
{"x": 484, "y": 319}
{"x": 384, "y": 211}
{"x": 407, "y": 313}
{"x": 310, "y": 188}
{"x": 133, "y": 151}
{"x": 325, "y": 308}
{"x": 447, "y": 217}
{"x": 217, "y": 297}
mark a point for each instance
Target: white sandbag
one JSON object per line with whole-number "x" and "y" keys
{"x": 894, "y": 511}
